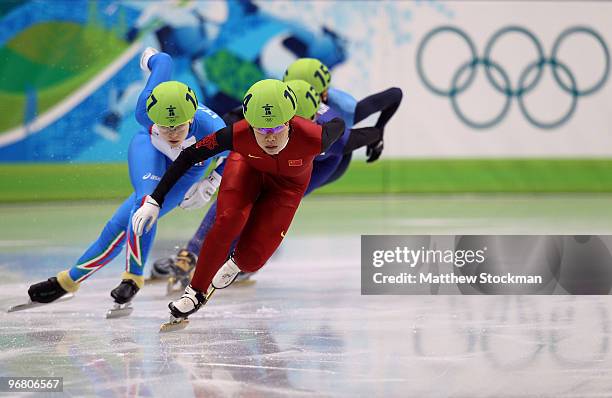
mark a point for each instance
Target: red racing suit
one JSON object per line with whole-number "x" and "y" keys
{"x": 259, "y": 193}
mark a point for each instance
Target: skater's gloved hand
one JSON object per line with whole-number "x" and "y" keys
{"x": 144, "y": 58}
{"x": 373, "y": 151}
{"x": 201, "y": 192}
{"x": 145, "y": 216}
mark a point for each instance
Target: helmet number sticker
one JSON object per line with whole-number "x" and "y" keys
{"x": 323, "y": 76}
{"x": 290, "y": 97}
{"x": 191, "y": 99}
{"x": 311, "y": 98}
{"x": 246, "y": 102}
{"x": 153, "y": 102}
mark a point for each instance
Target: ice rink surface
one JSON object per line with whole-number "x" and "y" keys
{"x": 303, "y": 329}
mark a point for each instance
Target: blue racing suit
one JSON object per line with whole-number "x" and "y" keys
{"x": 148, "y": 158}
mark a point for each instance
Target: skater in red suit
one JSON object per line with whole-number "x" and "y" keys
{"x": 263, "y": 183}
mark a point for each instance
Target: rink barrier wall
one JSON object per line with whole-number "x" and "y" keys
{"x": 100, "y": 181}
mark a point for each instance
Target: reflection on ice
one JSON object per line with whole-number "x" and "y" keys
{"x": 303, "y": 329}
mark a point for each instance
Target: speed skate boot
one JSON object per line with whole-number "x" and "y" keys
{"x": 123, "y": 295}
{"x": 46, "y": 292}
{"x": 161, "y": 270}
{"x": 191, "y": 301}
{"x": 226, "y": 275}
{"x": 55, "y": 289}
{"x": 182, "y": 270}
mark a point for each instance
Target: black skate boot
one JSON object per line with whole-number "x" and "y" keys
{"x": 182, "y": 269}
{"x": 53, "y": 290}
{"x": 46, "y": 292}
{"x": 162, "y": 269}
{"x": 123, "y": 295}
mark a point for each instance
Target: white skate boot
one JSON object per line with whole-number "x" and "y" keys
{"x": 144, "y": 58}
{"x": 180, "y": 309}
{"x": 226, "y": 275}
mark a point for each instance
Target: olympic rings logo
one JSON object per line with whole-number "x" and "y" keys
{"x": 528, "y": 78}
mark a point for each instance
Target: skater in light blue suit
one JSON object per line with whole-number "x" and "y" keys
{"x": 172, "y": 120}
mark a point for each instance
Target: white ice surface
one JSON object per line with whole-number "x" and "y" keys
{"x": 304, "y": 330}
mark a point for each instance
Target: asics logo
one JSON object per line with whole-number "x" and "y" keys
{"x": 282, "y": 234}
{"x": 150, "y": 176}
{"x": 254, "y": 157}
{"x": 528, "y": 79}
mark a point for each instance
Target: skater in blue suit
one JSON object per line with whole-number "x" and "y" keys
{"x": 171, "y": 120}
{"x": 352, "y": 112}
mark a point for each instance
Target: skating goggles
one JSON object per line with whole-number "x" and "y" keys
{"x": 271, "y": 130}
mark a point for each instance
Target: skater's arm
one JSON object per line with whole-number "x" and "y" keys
{"x": 207, "y": 147}
{"x": 233, "y": 116}
{"x": 362, "y": 137}
{"x": 332, "y": 130}
{"x": 161, "y": 70}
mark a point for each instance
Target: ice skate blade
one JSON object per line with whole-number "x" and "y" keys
{"x": 174, "y": 326}
{"x": 154, "y": 281}
{"x": 243, "y": 283}
{"x": 119, "y": 311}
{"x": 32, "y": 304}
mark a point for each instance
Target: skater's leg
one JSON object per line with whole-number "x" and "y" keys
{"x": 322, "y": 170}
{"x": 239, "y": 189}
{"x": 181, "y": 266}
{"x": 111, "y": 239}
{"x": 269, "y": 222}
{"x": 341, "y": 169}
{"x": 147, "y": 165}
{"x": 195, "y": 244}
{"x": 101, "y": 251}
{"x": 359, "y": 138}
{"x": 386, "y": 102}
{"x": 265, "y": 229}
